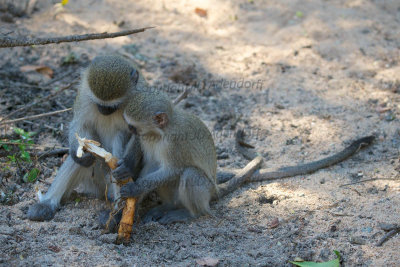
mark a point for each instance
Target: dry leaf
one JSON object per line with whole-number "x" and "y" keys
{"x": 42, "y": 69}
{"x": 382, "y": 109}
{"x": 54, "y": 248}
{"x": 207, "y": 261}
{"x": 274, "y": 223}
{"x": 201, "y": 12}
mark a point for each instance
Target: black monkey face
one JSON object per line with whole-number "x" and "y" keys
{"x": 106, "y": 110}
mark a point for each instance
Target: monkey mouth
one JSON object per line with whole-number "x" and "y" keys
{"x": 106, "y": 110}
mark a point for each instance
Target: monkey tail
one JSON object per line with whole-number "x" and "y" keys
{"x": 230, "y": 181}
{"x": 241, "y": 177}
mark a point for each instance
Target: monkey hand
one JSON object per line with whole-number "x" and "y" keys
{"x": 86, "y": 160}
{"x": 122, "y": 172}
{"x": 131, "y": 189}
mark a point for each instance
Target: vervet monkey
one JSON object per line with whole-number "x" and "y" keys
{"x": 105, "y": 86}
{"x": 180, "y": 161}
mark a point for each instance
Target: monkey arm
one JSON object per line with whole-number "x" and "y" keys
{"x": 131, "y": 163}
{"x": 149, "y": 182}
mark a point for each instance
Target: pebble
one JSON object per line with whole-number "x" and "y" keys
{"x": 6, "y": 230}
{"x": 357, "y": 240}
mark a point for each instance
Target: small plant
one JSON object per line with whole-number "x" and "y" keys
{"x": 332, "y": 263}
{"x": 24, "y": 142}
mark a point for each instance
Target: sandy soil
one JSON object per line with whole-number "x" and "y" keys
{"x": 323, "y": 72}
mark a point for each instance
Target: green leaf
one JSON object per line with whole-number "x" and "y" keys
{"x": 70, "y": 59}
{"x": 332, "y": 263}
{"x": 30, "y": 134}
{"x": 31, "y": 176}
{"x": 12, "y": 158}
{"x": 25, "y": 156}
{"x": 5, "y": 147}
{"x": 299, "y": 14}
{"x": 22, "y": 147}
{"x": 19, "y": 131}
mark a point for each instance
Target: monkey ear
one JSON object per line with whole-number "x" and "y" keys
{"x": 161, "y": 118}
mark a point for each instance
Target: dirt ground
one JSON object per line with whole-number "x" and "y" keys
{"x": 303, "y": 78}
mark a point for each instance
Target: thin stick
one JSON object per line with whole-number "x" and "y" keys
{"x": 34, "y": 103}
{"x": 387, "y": 236}
{"x": 369, "y": 180}
{"x": 36, "y": 116}
{"x": 54, "y": 152}
{"x": 59, "y": 78}
{"x": 34, "y": 146}
{"x": 241, "y": 144}
{"x": 23, "y": 41}
{"x": 181, "y": 96}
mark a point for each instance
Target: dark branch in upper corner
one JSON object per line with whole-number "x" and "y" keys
{"x": 23, "y": 41}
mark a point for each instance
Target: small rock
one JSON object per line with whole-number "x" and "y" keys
{"x": 207, "y": 261}
{"x": 108, "y": 238}
{"x": 388, "y": 226}
{"x": 76, "y": 231}
{"x": 6, "y": 230}
{"x": 372, "y": 190}
{"x": 325, "y": 254}
{"x": 273, "y": 223}
{"x": 367, "y": 229}
{"x": 298, "y": 259}
{"x": 357, "y": 240}
{"x": 223, "y": 155}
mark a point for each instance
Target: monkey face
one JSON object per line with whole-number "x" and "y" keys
{"x": 106, "y": 110}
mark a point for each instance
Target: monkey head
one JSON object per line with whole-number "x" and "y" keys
{"x": 148, "y": 113}
{"x": 110, "y": 79}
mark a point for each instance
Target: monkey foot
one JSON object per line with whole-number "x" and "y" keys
{"x": 41, "y": 212}
{"x": 154, "y": 214}
{"x": 104, "y": 217}
{"x": 174, "y": 216}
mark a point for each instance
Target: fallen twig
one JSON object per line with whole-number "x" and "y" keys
{"x": 370, "y": 180}
{"x": 54, "y": 152}
{"x": 386, "y": 237}
{"x": 241, "y": 144}
{"x": 36, "y": 116}
{"x": 59, "y": 78}
{"x": 23, "y": 41}
{"x": 32, "y": 146}
{"x": 181, "y": 96}
{"x": 34, "y": 103}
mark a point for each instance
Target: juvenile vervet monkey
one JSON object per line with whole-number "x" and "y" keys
{"x": 180, "y": 161}
{"x": 105, "y": 86}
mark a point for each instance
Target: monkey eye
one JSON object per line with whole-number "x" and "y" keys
{"x": 132, "y": 129}
{"x": 134, "y": 76}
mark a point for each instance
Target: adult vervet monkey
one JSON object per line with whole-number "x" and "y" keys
{"x": 105, "y": 86}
